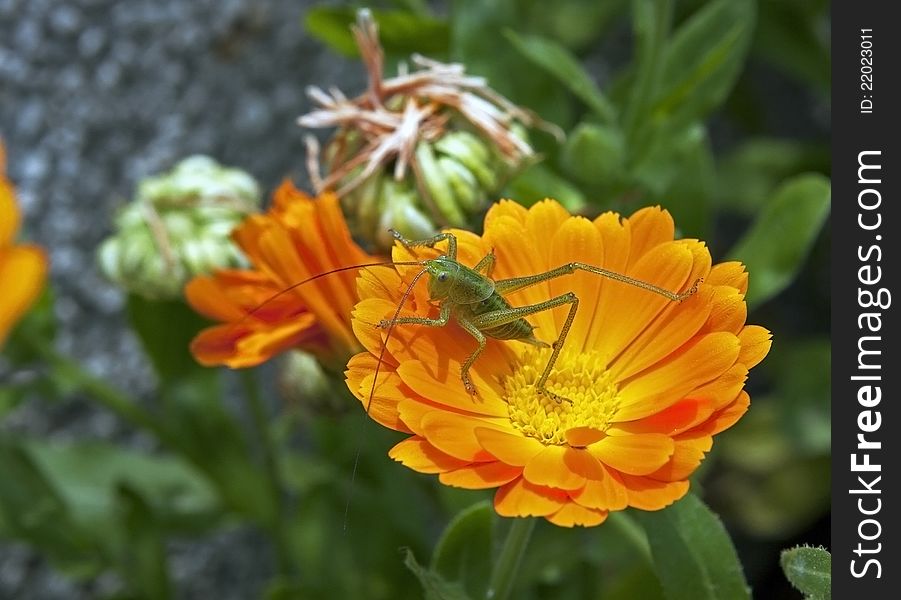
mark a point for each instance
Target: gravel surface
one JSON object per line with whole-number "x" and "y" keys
{"x": 94, "y": 95}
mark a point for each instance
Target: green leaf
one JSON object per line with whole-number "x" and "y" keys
{"x": 33, "y": 511}
{"x": 693, "y": 555}
{"x": 778, "y": 242}
{"x": 701, "y": 63}
{"x": 749, "y": 175}
{"x": 205, "y": 433}
{"x": 87, "y": 475}
{"x": 434, "y": 586}
{"x": 679, "y": 175}
{"x": 475, "y": 41}
{"x": 463, "y": 553}
{"x": 794, "y": 36}
{"x": 537, "y": 182}
{"x": 144, "y": 553}
{"x": 401, "y": 32}
{"x": 809, "y": 570}
{"x": 166, "y": 329}
{"x": 557, "y": 61}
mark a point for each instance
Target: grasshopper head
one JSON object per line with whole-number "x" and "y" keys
{"x": 443, "y": 276}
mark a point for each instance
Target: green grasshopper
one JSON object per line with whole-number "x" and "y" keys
{"x": 478, "y": 304}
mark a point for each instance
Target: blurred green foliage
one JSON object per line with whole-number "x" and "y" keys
{"x": 663, "y": 103}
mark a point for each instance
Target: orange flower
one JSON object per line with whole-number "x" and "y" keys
{"x": 650, "y": 380}
{"x": 299, "y": 237}
{"x": 23, "y": 267}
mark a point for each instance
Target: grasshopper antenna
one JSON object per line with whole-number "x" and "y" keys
{"x": 375, "y": 377}
{"x": 294, "y": 286}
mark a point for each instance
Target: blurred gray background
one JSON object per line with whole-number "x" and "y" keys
{"x": 95, "y": 95}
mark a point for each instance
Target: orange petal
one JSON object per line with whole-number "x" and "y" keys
{"x": 453, "y": 434}
{"x": 636, "y": 454}
{"x": 582, "y": 437}
{"x": 419, "y": 455}
{"x": 605, "y": 493}
{"x": 628, "y": 309}
{"x": 755, "y": 344}
{"x": 649, "y": 494}
{"x": 727, "y": 417}
{"x": 10, "y": 217}
{"x": 548, "y": 468}
{"x": 728, "y": 310}
{"x": 572, "y": 514}
{"x": 669, "y": 381}
{"x": 381, "y": 402}
{"x": 519, "y": 498}
{"x": 510, "y": 448}
{"x": 481, "y": 476}
{"x": 651, "y": 226}
{"x": 670, "y": 330}
{"x": 206, "y": 296}
{"x": 687, "y": 456}
{"x": 23, "y": 270}
{"x": 730, "y": 273}
{"x": 671, "y": 420}
{"x": 421, "y": 381}
{"x": 578, "y": 239}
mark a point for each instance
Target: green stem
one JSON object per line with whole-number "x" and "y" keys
{"x": 507, "y": 565}
{"x": 126, "y": 407}
{"x": 260, "y": 420}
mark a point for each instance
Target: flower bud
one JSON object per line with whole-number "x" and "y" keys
{"x": 178, "y": 226}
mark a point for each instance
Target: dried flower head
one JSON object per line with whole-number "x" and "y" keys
{"x": 457, "y": 136}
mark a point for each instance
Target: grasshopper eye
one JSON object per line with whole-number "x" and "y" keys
{"x": 442, "y": 276}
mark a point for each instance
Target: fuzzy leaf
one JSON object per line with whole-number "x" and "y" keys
{"x": 463, "y": 553}
{"x": 809, "y": 570}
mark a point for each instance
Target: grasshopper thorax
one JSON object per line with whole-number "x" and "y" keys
{"x": 450, "y": 280}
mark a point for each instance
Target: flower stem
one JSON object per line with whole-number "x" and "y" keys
{"x": 124, "y": 406}
{"x": 507, "y": 565}
{"x": 278, "y": 528}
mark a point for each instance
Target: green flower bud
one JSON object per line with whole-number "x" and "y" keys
{"x": 304, "y": 384}
{"x": 178, "y": 226}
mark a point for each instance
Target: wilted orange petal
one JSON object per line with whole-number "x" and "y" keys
{"x": 481, "y": 476}
{"x": 421, "y": 456}
{"x": 755, "y": 344}
{"x": 519, "y": 498}
{"x": 207, "y": 297}
{"x": 547, "y": 468}
{"x": 669, "y": 380}
{"x": 572, "y": 514}
{"x": 511, "y": 448}
{"x": 636, "y": 454}
{"x": 649, "y": 494}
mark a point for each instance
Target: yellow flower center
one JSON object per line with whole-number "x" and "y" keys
{"x": 582, "y": 379}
